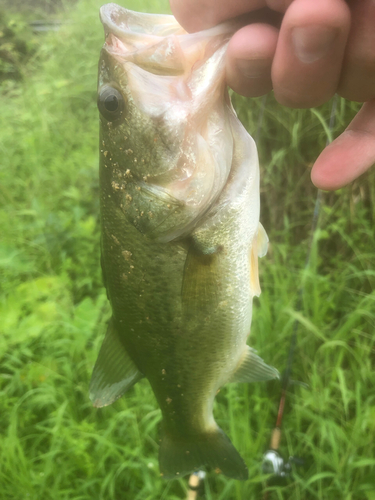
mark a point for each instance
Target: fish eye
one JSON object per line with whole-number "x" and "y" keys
{"x": 110, "y": 103}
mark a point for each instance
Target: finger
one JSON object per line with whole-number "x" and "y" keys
{"x": 309, "y": 53}
{"x": 196, "y": 15}
{"x": 249, "y": 59}
{"x": 351, "y": 154}
{"x": 358, "y": 75}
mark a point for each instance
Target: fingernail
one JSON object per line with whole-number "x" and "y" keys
{"x": 278, "y": 5}
{"x": 253, "y": 68}
{"x": 311, "y": 43}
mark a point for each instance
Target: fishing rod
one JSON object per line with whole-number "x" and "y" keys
{"x": 273, "y": 463}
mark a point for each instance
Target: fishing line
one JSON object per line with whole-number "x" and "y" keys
{"x": 272, "y": 462}
{"x": 260, "y": 119}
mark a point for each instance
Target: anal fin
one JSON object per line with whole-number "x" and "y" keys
{"x": 114, "y": 372}
{"x": 252, "y": 368}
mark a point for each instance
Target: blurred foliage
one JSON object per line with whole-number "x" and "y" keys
{"x": 53, "y": 308}
{"x": 17, "y": 45}
{"x": 41, "y": 9}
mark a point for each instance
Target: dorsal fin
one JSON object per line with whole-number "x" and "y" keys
{"x": 258, "y": 249}
{"x": 262, "y": 241}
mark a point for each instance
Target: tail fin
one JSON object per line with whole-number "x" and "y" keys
{"x": 180, "y": 457}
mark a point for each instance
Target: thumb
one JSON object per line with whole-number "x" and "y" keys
{"x": 350, "y": 155}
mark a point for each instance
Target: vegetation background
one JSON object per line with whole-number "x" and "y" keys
{"x": 53, "y": 309}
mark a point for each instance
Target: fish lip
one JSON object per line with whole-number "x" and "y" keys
{"x": 124, "y": 23}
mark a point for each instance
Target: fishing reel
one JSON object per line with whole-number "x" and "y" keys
{"x": 274, "y": 464}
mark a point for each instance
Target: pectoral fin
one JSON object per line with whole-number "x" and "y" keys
{"x": 201, "y": 283}
{"x": 252, "y": 368}
{"x": 114, "y": 372}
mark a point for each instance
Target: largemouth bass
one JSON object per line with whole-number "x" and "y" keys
{"x": 181, "y": 236}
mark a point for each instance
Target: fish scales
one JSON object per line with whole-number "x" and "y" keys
{"x": 179, "y": 182}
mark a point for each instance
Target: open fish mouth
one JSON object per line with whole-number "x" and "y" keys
{"x": 160, "y": 40}
{"x": 118, "y": 20}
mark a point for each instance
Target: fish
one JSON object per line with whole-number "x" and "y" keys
{"x": 180, "y": 232}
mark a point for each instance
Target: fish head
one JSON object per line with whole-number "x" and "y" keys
{"x": 134, "y": 119}
{"x": 166, "y": 137}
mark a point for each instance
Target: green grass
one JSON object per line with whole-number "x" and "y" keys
{"x": 53, "y": 310}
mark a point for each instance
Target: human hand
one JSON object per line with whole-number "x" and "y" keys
{"x": 322, "y": 47}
